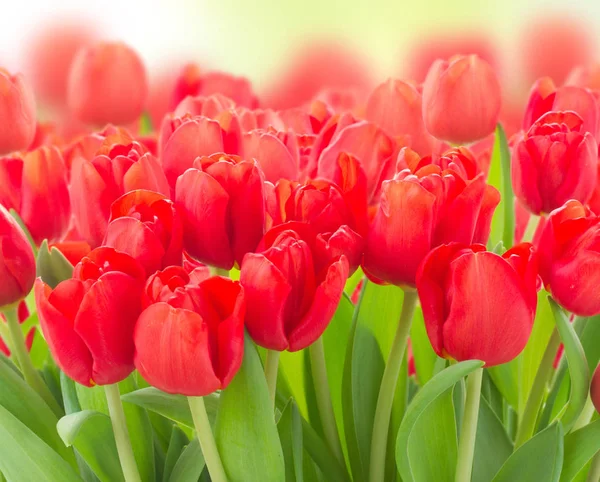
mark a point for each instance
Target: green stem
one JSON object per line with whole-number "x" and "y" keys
{"x": 206, "y": 439}
{"x": 468, "y": 432}
{"x": 385, "y": 400}
{"x": 19, "y": 350}
{"x": 321, "y": 384}
{"x": 594, "y": 473}
{"x": 586, "y": 415}
{"x": 5, "y": 335}
{"x": 531, "y": 228}
{"x": 538, "y": 390}
{"x": 271, "y": 366}
{"x": 119, "y": 425}
{"x": 221, "y": 272}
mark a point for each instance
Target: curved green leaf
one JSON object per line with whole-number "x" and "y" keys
{"x": 540, "y": 459}
{"x": 245, "y": 429}
{"x": 91, "y": 434}
{"x": 435, "y": 388}
{"x": 290, "y": 434}
{"x": 177, "y": 444}
{"x": 503, "y": 222}
{"x": 423, "y": 353}
{"x": 190, "y": 465}
{"x": 580, "y": 448}
{"x": 52, "y": 266}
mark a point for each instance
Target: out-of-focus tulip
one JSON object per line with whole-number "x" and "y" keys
{"x": 145, "y": 225}
{"x": 461, "y": 99}
{"x": 88, "y": 320}
{"x": 569, "y": 251}
{"x": 107, "y": 83}
{"x": 23, "y": 314}
{"x": 116, "y": 170}
{"x": 289, "y": 304}
{"x": 478, "y": 305}
{"x": 431, "y": 201}
{"x": 222, "y": 204}
{"x": 585, "y": 76}
{"x": 17, "y": 113}
{"x": 554, "y": 162}
{"x": 190, "y": 338}
{"x": 17, "y": 263}
{"x": 595, "y": 389}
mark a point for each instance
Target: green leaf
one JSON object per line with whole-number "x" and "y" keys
{"x": 145, "y": 124}
{"x": 176, "y": 446}
{"x": 290, "y": 434}
{"x": 540, "y": 459}
{"x": 580, "y": 448}
{"x": 423, "y": 353}
{"x": 25, "y": 457}
{"x": 21, "y": 223}
{"x": 245, "y": 429}
{"x": 432, "y": 443}
{"x": 578, "y": 367}
{"x": 91, "y": 434}
{"x": 52, "y": 266}
{"x": 173, "y": 407}
{"x": 435, "y": 388}
{"x": 353, "y": 282}
{"x": 190, "y": 465}
{"x": 492, "y": 445}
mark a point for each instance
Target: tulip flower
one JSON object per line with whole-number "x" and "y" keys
{"x": 289, "y": 304}
{"x": 461, "y": 99}
{"x": 568, "y": 251}
{"x": 17, "y": 113}
{"x": 431, "y": 201}
{"x": 145, "y": 225}
{"x": 595, "y": 389}
{"x": 95, "y": 184}
{"x": 107, "y": 83}
{"x": 477, "y": 304}
{"x": 88, "y": 320}
{"x": 17, "y": 263}
{"x": 222, "y": 204}
{"x": 585, "y": 76}
{"x": 189, "y": 339}
{"x": 23, "y": 314}
{"x": 554, "y": 162}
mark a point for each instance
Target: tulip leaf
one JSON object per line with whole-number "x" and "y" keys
{"x": 290, "y": 434}
{"x": 423, "y": 353}
{"x": 431, "y": 391}
{"x": 25, "y": 457}
{"x": 91, "y": 434}
{"x": 190, "y": 464}
{"x": 21, "y": 223}
{"x": 580, "y": 447}
{"x": 173, "y": 407}
{"x": 503, "y": 222}
{"x": 30, "y": 409}
{"x": 52, "y": 266}
{"x": 492, "y": 444}
{"x": 578, "y": 367}
{"x": 245, "y": 429}
{"x": 177, "y": 444}
{"x": 539, "y": 459}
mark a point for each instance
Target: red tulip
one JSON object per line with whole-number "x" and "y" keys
{"x": 595, "y": 389}
{"x": 190, "y": 338}
{"x": 145, "y": 225}
{"x": 88, "y": 320}
{"x": 476, "y": 304}
{"x": 289, "y": 303}
{"x": 17, "y": 113}
{"x": 569, "y": 258}
{"x": 222, "y": 203}
{"x": 461, "y": 99}
{"x": 274, "y": 157}
{"x": 554, "y": 162}
{"x": 107, "y": 83}
{"x": 23, "y": 314}
{"x": 96, "y": 183}
{"x": 17, "y": 263}
{"x": 585, "y": 76}
{"x": 431, "y": 202}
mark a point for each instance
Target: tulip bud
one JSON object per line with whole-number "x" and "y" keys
{"x": 107, "y": 83}
{"x": 17, "y": 263}
{"x": 569, "y": 258}
{"x": 461, "y": 99}
{"x": 222, "y": 204}
{"x": 23, "y": 314}
{"x": 289, "y": 303}
{"x": 17, "y": 113}
{"x": 554, "y": 162}
{"x": 478, "y": 305}
{"x": 190, "y": 338}
{"x": 88, "y": 320}
{"x": 595, "y": 389}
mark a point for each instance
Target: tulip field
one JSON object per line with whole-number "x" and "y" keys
{"x": 396, "y": 282}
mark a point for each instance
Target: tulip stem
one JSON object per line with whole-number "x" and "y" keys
{"x": 19, "y": 350}
{"x": 538, "y": 390}
{"x": 206, "y": 439}
{"x": 119, "y": 425}
{"x": 387, "y": 390}
{"x": 318, "y": 367}
{"x": 271, "y": 368}
{"x": 586, "y": 415}
{"x": 468, "y": 432}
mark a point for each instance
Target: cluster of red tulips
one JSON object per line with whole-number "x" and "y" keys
{"x": 181, "y": 259}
